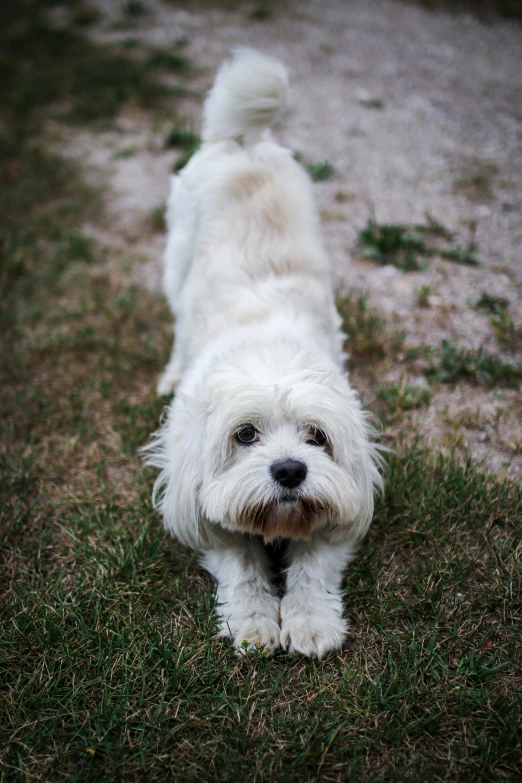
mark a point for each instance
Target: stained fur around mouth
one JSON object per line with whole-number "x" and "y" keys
{"x": 290, "y": 516}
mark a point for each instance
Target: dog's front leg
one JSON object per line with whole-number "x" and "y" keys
{"x": 247, "y": 604}
{"x": 312, "y": 620}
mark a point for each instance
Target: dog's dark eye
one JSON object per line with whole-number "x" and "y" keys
{"x": 247, "y": 434}
{"x": 316, "y": 437}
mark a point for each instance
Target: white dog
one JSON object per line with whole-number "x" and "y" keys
{"x": 265, "y": 439}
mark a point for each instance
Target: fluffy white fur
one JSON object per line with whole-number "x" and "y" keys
{"x": 258, "y": 342}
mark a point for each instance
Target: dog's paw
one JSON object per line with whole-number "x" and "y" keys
{"x": 312, "y": 633}
{"x": 260, "y": 633}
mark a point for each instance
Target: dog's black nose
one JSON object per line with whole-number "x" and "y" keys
{"x": 289, "y": 472}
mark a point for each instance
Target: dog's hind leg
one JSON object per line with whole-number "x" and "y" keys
{"x": 182, "y": 219}
{"x": 171, "y": 375}
{"x": 182, "y": 228}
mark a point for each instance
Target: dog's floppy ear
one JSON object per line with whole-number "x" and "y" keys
{"x": 176, "y": 450}
{"x": 361, "y": 457}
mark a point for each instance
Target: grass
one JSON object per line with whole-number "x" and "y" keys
{"x": 486, "y": 10}
{"x": 167, "y": 60}
{"x": 122, "y": 677}
{"x": 364, "y": 325}
{"x": 181, "y": 137}
{"x": 110, "y": 666}
{"x": 399, "y": 397}
{"x": 476, "y": 181}
{"x": 320, "y": 172}
{"x": 423, "y": 296}
{"x": 52, "y": 71}
{"x": 496, "y": 305}
{"x": 182, "y": 161}
{"x": 408, "y": 247}
{"x": 475, "y": 366}
{"x": 260, "y": 13}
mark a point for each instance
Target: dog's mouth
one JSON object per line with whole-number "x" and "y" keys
{"x": 290, "y": 516}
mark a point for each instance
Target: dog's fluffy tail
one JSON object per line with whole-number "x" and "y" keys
{"x": 248, "y": 95}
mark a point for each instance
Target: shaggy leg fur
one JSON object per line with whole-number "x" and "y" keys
{"x": 311, "y": 611}
{"x": 248, "y": 608}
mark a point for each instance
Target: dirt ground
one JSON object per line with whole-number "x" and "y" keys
{"x": 419, "y": 112}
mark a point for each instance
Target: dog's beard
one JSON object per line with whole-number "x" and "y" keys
{"x": 286, "y": 518}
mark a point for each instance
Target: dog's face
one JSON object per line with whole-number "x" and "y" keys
{"x": 271, "y": 442}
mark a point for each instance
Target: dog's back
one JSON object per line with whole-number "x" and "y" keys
{"x": 244, "y": 232}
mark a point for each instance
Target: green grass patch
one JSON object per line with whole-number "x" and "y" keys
{"x": 496, "y": 305}
{"x": 111, "y": 669}
{"x": 364, "y": 325}
{"x": 135, "y": 8}
{"x": 506, "y": 331}
{"x": 184, "y": 159}
{"x": 260, "y": 13}
{"x": 157, "y": 220}
{"x": 56, "y": 71}
{"x": 401, "y": 396}
{"x": 486, "y": 10}
{"x": 475, "y": 366}
{"x": 167, "y": 60}
{"x": 409, "y": 247}
{"x": 181, "y": 137}
{"x": 320, "y": 172}
{"x": 85, "y": 16}
{"x": 423, "y": 296}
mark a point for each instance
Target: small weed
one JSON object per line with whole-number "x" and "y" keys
{"x": 371, "y": 103}
{"x": 180, "y": 137}
{"x": 363, "y": 324}
{"x": 496, "y": 305}
{"x": 486, "y": 10}
{"x": 157, "y": 219}
{"x": 260, "y": 13}
{"x": 470, "y": 418}
{"x": 342, "y": 197}
{"x": 476, "y": 181}
{"x": 130, "y": 43}
{"x": 506, "y": 331}
{"x": 124, "y": 154}
{"x": 393, "y": 244}
{"x": 402, "y": 396}
{"x": 461, "y": 255}
{"x": 477, "y": 367}
{"x": 168, "y": 61}
{"x": 423, "y": 296}
{"x": 184, "y": 159}
{"x": 320, "y": 172}
{"x": 134, "y": 8}
{"x": 85, "y": 16}
{"x": 434, "y": 228}
{"x": 407, "y": 247}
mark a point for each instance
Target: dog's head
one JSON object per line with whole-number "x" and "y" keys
{"x": 271, "y": 441}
